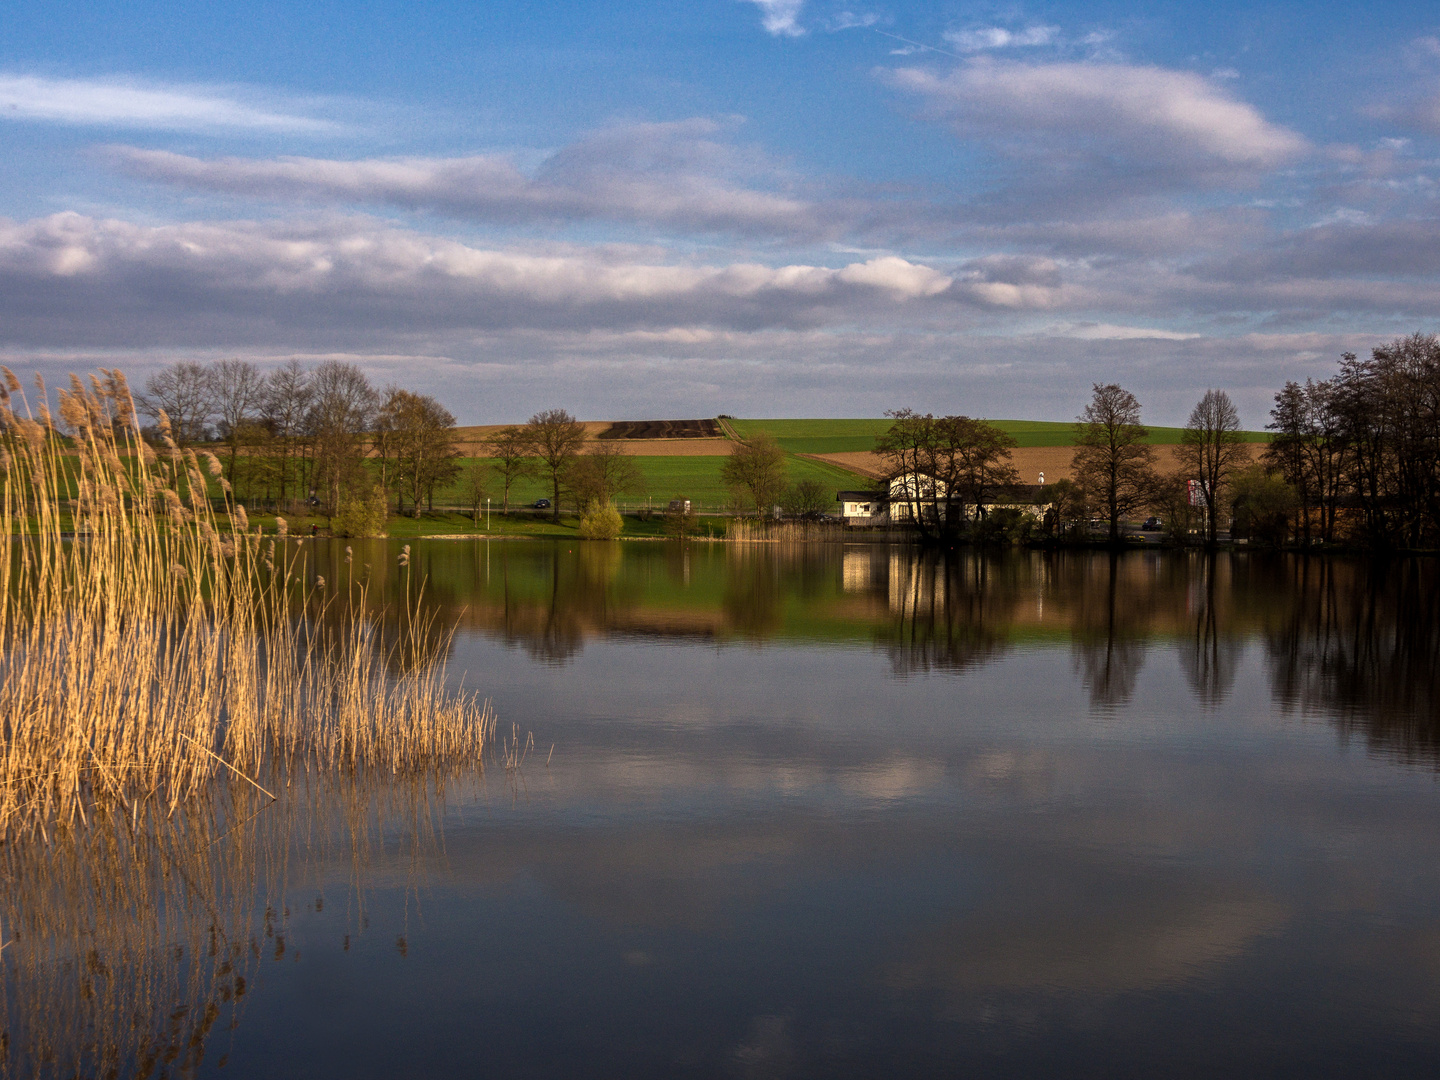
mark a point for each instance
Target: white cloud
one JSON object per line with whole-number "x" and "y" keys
{"x": 1111, "y": 332}
{"x": 671, "y": 174}
{"x": 339, "y": 279}
{"x": 996, "y": 37}
{"x": 900, "y": 278}
{"x": 779, "y": 17}
{"x": 1114, "y": 118}
{"x": 132, "y": 104}
{"x": 849, "y": 20}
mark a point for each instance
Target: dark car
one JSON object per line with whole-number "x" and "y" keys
{"x": 1151, "y": 524}
{"x": 542, "y": 504}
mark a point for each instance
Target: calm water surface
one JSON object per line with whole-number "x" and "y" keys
{"x": 827, "y": 812}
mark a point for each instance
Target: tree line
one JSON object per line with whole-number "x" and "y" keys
{"x": 1352, "y": 459}
{"x": 323, "y": 436}
{"x": 946, "y": 471}
{"x": 327, "y": 438}
{"x": 1361, "y": 450}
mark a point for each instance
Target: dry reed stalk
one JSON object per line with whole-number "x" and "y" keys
{"x": 148, "y": 642}
{"x": 783, "y": 532}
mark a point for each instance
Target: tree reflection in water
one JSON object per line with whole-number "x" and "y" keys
{"x": 134, "y": 945}
{"x": 1108, "y": 637}
{"x": 1360, "y": 643}
{"x": 1353, "y": 639}
{"x": 1209, "y": 656}
{"x": 946, "y": 611}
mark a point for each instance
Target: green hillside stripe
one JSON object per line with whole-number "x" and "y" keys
{"x": 841, "y": 436}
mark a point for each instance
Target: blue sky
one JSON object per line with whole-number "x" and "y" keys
{"x": 788, "y": 207}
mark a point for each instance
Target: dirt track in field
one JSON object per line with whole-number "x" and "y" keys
{"x": 1029, "y": 461}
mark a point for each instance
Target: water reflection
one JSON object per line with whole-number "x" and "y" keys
{"x": 1350, "y": 639}
{"x": 1361, "y": 642}
{"x": 851, "y": 810}
{"x": 133, "y": 944}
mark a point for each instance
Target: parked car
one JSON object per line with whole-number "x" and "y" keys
{"x": 679, "y": 506}
{"x": 542, "y": 504}
{"x": 1151, "y": 524}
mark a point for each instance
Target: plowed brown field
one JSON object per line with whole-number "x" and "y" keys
{"x": 1029, "y": 461}
{"x": 663, "y": 429}
{"x": 472, "y": 442}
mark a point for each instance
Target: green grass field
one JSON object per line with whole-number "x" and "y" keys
{"x": 841, "y": 436}
{"x": 696, "y": 478}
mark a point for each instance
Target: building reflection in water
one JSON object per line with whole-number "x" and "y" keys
{"x": 1353, "y": 640}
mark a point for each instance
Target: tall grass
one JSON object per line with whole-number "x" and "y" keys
{"x": 149, "y": 644}
{"x": 748, "y": 531}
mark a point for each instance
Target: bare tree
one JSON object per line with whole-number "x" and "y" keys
{"x": 557, "y": 438}
{"x": 756, "y": 469}
{"x": 977, "y": 456}
{"x": 418, "y": 436}
{"x": 475, "y": 486}
{"x": 1212, "y": 448}
{"x": 340, "y": 417}
{"x": 808, "y": 499}
{"x": 185, "y": 394}
{"x": 237, "y": 390}
{"x": 908, "y": 447}
{"x": 601, "y": 473}
{"x": 284, "y": 407}
{"x": 1113, "y": 461}
{"x": 514, "y": 455}
{"x": 1311, "y": 451}
{"x": 944, "y": 464}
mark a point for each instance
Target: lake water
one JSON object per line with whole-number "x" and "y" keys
{"x": 824, "y": 811}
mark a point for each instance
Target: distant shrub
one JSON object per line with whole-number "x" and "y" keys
{"x": 601, "y": 521}
{"x": 361, "y": 513}
{"x": 679, "y": 519}
{"x": 1262, "y": 504}
{"x": 1003, "y": 525}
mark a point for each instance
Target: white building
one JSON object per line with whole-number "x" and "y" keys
{"x": 907, "y": 490}
{"x": 861, "y": 507}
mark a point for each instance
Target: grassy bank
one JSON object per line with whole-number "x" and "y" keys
{"x": 695, "y": 477}
{"x": 518, "y": 525}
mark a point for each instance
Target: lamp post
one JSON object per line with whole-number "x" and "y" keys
{"x": 487, "y": 513}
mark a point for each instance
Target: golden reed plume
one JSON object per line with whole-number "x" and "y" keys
{"x": 149, "y": 640}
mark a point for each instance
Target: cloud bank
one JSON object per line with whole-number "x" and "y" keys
{"x": 71, "y": 276}
{"x": 675, "y": 175}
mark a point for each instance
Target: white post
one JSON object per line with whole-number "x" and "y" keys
{"x": 487, "y": 513}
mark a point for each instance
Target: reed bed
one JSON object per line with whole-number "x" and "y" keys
{"x": 149, "y": 644}
{"x": 746, "y": 531}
